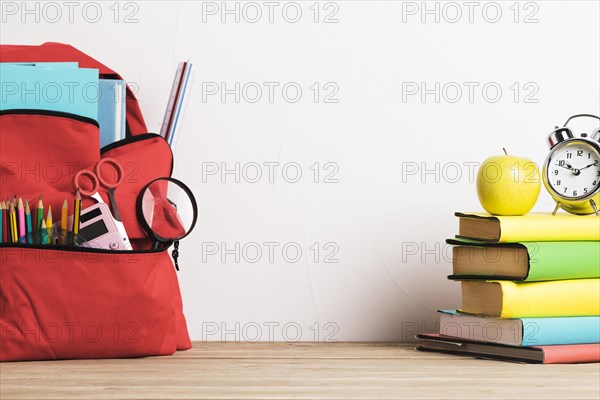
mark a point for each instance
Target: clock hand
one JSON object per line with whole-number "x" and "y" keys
{"x": 588, "y": 166}
{"x": 575, "y": 171}
{"x": 568, "y": 166}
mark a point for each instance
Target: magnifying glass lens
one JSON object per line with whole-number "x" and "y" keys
{"x": 168, "y": 209}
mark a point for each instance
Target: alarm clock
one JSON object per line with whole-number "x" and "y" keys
{"x": 571, "y": 172}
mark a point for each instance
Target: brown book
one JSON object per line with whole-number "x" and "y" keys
{"x": 533, "y": 227}
{"x": 527, "y": 261}
{"x": 491, "y": 262}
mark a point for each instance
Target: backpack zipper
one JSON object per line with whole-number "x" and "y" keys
{"x": 134, "y": 139}
{"x": 60, "y": 114}
{"x": 112, "y": 146}
{"x": 79, "y": 249}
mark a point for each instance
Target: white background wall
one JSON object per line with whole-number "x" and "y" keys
{"x": 385, "y": 226}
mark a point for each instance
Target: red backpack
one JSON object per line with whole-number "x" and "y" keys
{"x": 62, "y": 302}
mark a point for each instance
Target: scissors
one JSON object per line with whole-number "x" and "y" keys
{"x": 97, "y": 179}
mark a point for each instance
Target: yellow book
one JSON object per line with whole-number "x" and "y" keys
{"x": 534, "y": 227}
{"x": 570, "y": 298}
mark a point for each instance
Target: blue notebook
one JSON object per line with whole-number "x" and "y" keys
{"x": 34, "y": 87}
{"x": 521, "y": 331}
{"x": 111, "y": 111}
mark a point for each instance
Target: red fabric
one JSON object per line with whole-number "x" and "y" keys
{"x": 69, "y": 304}
{"x": 165, "y": 220}
{"x": 58, "y": 52}
{"x": 57, "y": 304}
{"x": 143, "y": 161}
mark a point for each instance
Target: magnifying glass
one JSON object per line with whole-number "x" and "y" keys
{"x": 167, "y": 211}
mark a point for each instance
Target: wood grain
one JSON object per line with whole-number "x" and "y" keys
{"x": 217, "y": 370}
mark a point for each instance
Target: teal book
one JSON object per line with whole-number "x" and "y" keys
{"x": 520, "y": 331}
{"x": 111, "y": 111}
{"x": 526, "y": 261}
{"x": 33, "y": 87}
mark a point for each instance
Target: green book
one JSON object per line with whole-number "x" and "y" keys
{"x": 524, "y": 262}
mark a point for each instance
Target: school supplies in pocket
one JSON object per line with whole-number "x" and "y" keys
{"x": 97, "y": 178}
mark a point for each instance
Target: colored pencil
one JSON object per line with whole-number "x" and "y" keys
{"x": 16, "y": 204}
{"x": 64, "y": 216}
{"x": 13, "y": 224}
{"x": 77, "y": 213}
{"x": 43, "y": 232}
{"x": 28, "y": 219}
{"x": 8, "y": 228}
{"x": 40, "y": 214}
{"x": 6, "y": 219}
{"x": 49, "y": 223}
{"x": 2, "y": 221}
{"x": 21, "y": 210}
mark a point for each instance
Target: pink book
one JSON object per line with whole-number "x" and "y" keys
{"x": 571, "y": 353}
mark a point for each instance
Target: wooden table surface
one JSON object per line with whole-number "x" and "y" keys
{"x": 301, "y": 371}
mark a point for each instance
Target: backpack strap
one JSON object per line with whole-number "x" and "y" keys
{"x": 59, "y": 52}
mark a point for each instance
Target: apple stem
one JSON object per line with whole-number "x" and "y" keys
{"x": 504, "y": 151}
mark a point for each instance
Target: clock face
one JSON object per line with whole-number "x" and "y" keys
{"x": 574, "y": 170}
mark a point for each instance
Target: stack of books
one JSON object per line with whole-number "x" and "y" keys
{"x": 530, "y": 289}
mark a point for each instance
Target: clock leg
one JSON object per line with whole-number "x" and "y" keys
{"x": 593, "y": 203}
{"x": 556, "y": 208}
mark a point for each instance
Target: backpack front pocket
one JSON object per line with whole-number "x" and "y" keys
{"x": 65, "y": 302}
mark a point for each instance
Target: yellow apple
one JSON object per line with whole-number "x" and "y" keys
{"x": 508, "y": 185}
